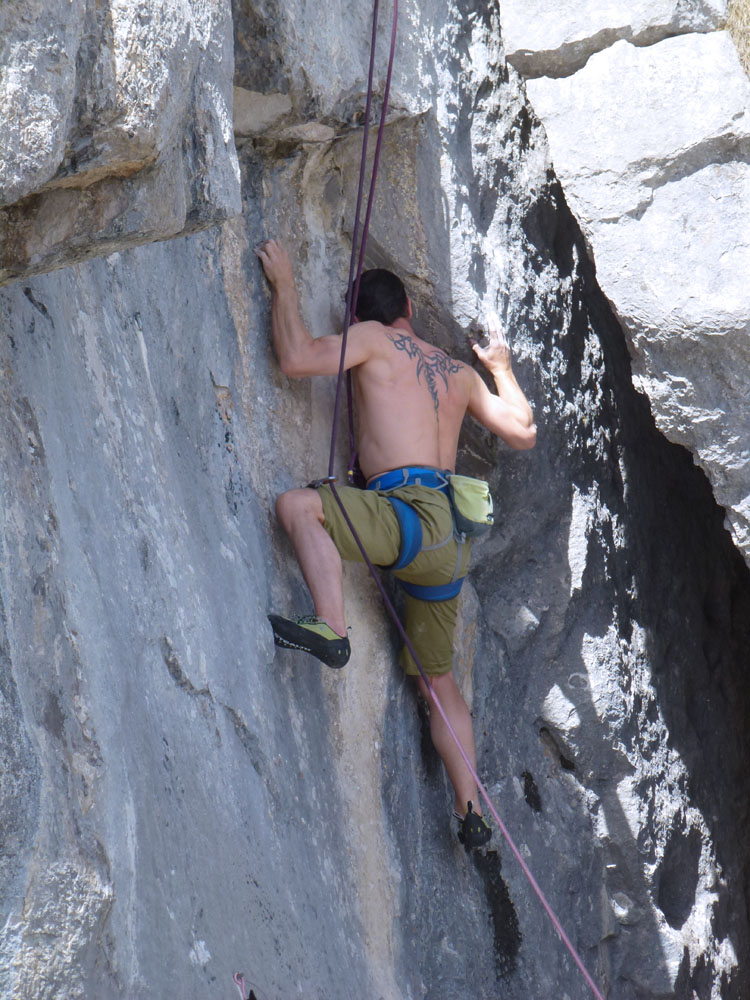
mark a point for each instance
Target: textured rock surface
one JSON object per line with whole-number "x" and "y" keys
{"x": 117, "y": 126}
{"x": 547, "y": 39}
{"x": 661, "y": 187}
{"x": 177, "y": 801}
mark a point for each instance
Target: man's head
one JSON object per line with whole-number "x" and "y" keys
{"x": 382, "y": 297}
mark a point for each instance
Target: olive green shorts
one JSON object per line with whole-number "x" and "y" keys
{"x": 430, "y": 625}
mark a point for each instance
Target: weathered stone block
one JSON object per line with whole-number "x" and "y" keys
{"x": 126, "y": 108}
{"x": 661, "y": 185}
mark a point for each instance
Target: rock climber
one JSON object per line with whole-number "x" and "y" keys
{"x": 411, "y": 401}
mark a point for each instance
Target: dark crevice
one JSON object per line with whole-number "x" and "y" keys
{"x": 506, "y": 933}
{"x": 39, "y": 306}
{"x": 570, "y": 57}
{"x": 178, "y": 675}
{"x": 553, "y": 746}
{"x": 531, "y": 792}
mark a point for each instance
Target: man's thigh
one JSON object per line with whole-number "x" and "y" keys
{"x": 373, "y": 518}
{"x": 431, "y": 627}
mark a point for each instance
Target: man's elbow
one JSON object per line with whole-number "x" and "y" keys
{"x": 291, "y": 367}
{"x": 525, "y": 438}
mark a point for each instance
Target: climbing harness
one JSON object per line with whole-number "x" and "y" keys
{"x": 471, "y": 512}
{"x": 355, "y": 271}
{"x": 410, "y": 527}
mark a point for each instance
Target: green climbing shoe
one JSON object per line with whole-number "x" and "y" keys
{"x": 473, "y": 830}
{"x": 311, "y": 635}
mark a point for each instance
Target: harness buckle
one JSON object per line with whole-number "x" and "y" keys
{"x": 317, "y": 483}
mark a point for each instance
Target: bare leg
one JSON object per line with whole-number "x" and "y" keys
{"x": 301, "y": 515}
{"x": 456, "y": 709}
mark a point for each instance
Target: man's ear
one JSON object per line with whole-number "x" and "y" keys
{"x": 408, "y": 307}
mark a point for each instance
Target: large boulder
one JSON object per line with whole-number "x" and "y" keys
{"x": 650, "y": 144}
{"x": 117, "y": 126}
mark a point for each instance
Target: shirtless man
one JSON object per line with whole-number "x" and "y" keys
{"x": 411, "y": 401}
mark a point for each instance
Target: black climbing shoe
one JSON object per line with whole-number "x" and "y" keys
{"x": 311, "y": 635}
{"x": 473, "y": 830}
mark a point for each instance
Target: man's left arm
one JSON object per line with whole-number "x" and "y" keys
{"x": 299, "y": 353}
{"x": 508, "y": 414}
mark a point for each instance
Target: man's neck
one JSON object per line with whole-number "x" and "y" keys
{"x": 402, "y": 323}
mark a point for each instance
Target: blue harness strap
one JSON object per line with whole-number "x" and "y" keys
{"x": 439, "y": 592}
{"x": 411, "y": 545}
{"x": 411, "y": 475}
{"x": 411, "y": 533}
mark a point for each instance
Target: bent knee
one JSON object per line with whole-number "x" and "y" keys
{"x": 296, "y": 504}
{"x": 441, "y": 683}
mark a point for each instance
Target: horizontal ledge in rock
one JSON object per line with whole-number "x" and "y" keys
{"x": 63, "y": 226}
{"x": 556, "y": 55}
{"x": 255, "y": 113}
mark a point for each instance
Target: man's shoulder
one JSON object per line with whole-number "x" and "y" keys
{"x": 398, "y": 344}
{"x": 368, "y": 331}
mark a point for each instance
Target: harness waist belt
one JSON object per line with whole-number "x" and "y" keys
{"x": 411, "y": 475}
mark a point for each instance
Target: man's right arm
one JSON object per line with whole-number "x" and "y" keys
{"x": 507, "y": 414}
{"x": 299, "y": 353}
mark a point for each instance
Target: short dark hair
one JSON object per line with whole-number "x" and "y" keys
{"x": 382, "y": 297}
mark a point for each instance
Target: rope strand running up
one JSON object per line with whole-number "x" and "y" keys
{"x": 351, "y": 299}
{"x": 352, "y": 289}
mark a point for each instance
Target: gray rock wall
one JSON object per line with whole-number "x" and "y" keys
{"x": 117, "y": 126}
{"x": 179, "y": 799}
{"x": 661, "y": 188}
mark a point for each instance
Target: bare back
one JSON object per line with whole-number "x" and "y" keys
{"x": 412, "y": 397}
{"x": 411, "y": 401}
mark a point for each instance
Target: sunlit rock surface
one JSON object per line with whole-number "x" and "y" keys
{"x": 649, "y": 135}
{"x": 117, "y": 126}
{"x": 543, "y": 38}
{"x": 179, "y": 800}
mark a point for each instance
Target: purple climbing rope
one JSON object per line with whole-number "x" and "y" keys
{"x": 239, "y": 982}
{"x": 357, "y": 261}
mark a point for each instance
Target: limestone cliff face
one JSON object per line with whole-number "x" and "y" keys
{"x": 117, "y": 126}
{"x": 661, "y": 186}
{"x": 179, "y": 800}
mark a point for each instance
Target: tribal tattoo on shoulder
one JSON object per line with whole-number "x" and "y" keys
{"x": 433, "y": 366}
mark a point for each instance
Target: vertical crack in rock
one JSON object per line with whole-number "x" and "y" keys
{"x": 664, "y": 177}
{"x": 178, "y": 675}
{"x": 506, "y": 934}
{"x": 250, "y": 742}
